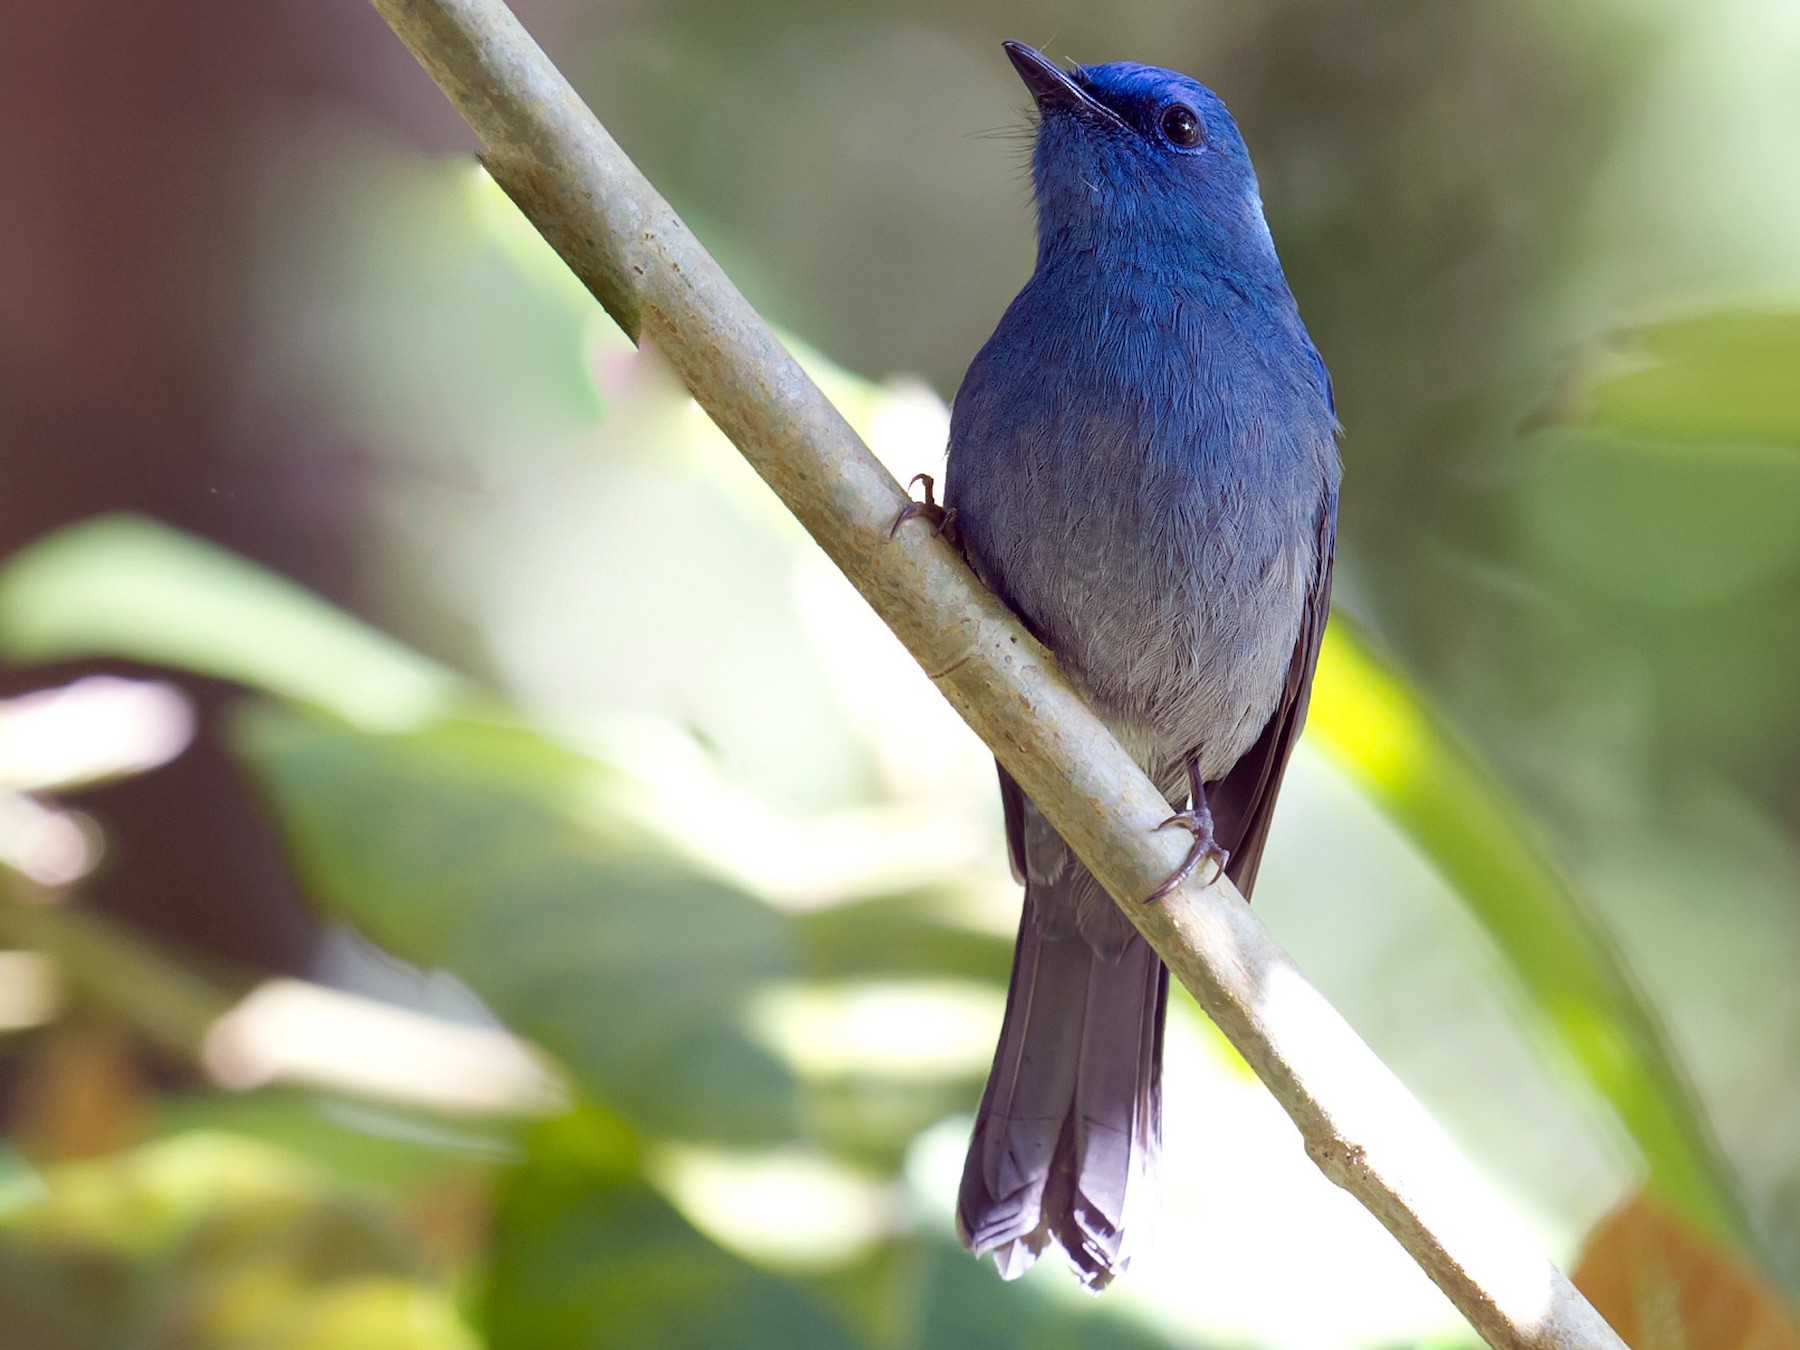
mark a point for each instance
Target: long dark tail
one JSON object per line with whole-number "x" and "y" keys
{"x": 1067, "y": 1135}
{"x": 1069, "y": 1128}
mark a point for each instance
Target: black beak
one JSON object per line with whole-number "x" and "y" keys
{"x": 1052, "y": 90}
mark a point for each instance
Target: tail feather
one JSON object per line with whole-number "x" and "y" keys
{"x": 1020, "y": 1121}
{"x": 1069, "y": 1126}
{"x": 1117, "y": 1115}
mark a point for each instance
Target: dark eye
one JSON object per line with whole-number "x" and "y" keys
{"x": 1181, "y": 124}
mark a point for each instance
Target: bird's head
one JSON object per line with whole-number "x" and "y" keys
{"x": 1130, "y": 156}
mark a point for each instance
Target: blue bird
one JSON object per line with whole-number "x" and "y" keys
{"x": 1143, "y": 464}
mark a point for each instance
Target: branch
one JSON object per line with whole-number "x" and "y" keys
{"x": 1361, "y": 1127}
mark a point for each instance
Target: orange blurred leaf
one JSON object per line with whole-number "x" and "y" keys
{"x": 1665, "y": 1287}
{"x": 81, "y": 1095}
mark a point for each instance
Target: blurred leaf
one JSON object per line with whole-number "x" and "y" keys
{"x": 892, "y": 935}
{"x": 357, "y": 1144}
{"x": 159, "y": 1198}
{"x": 1714, "y": 380}
{"x": 81, "y": 1093}
{"x": 208, "y": 1242}
{"x": 488, "y": 851}
{"x": 394, "y": 298}
{"x": 872, "y": 1121}
{"x": 1677, "y": 484}
{"x": 1663, "y": 1286}
{"x": 129, "y": 587}
{"x": 1377, "y": 729}
{"x": 861, "y": 1112}
{"x": 19, "y": 1181}
{"x": 587, "y": 1256}
{"x": 366, "y": 1314}
{"x": 967, "y": 1307}
{"x": 118, "y": 969}
{"x": 922, "y": 1293}
{"x": 1663, "y": 525}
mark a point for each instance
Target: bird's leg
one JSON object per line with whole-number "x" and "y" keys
{"x": 1198, "y": 819}
{"x": 943, "y": 519}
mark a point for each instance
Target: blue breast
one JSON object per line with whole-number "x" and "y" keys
{"x": 1138, "y": 466}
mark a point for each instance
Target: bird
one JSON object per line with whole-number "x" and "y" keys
{"x": 1143, "y": 464}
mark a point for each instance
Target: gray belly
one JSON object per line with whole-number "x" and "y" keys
{"x": 1175, "y": 608}
{"x": 1196, "y": 667}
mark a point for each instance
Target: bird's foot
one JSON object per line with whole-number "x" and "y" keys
{"x": 1205, "y": 848}
{"x": 942, "y": 518}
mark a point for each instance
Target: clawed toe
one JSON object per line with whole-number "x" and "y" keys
{"x": 942, "y": 518}
{"x": 1204, "y": 848}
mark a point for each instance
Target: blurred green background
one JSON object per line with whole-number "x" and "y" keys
{"x": 474, "y": 874}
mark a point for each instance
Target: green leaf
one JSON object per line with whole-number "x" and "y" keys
{"x": 1722, "y": 378}
{"x": 1664, "y": 526}
{"x": 361, "y": 1146}
{"x": 1379, "y": 731}
{"x": 920, "y": 1293}
{"x": 19, "y": 1181}
{"x": 898, "y": 935}
{"x": 969, "y": 1308}
{"x": 486, "y": 850}
{"x": 586, "y": 1256}
{"x": 214, "y": 1242}
{"x": 129, "y": 587}
{"x": 402, "y": 297}
{"x": 370, "y": 1314}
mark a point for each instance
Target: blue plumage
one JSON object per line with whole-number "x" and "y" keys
{"x": 1143, "y": 464}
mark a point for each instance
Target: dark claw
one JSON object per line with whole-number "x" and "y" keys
{"x": 943, "y": 519}
{"x": 1205, "y": 846}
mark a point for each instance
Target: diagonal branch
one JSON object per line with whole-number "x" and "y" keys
{"x": 554, "y": 159}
